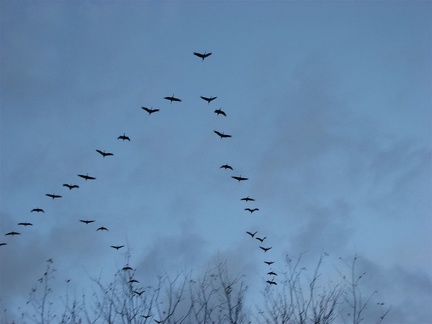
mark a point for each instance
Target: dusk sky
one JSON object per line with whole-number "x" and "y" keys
{"x": 329, "y": 108}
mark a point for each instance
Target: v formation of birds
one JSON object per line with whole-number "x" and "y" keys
{"x": 124, "y": 137}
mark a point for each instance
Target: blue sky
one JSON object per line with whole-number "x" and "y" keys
{"x": 328, "y": 104}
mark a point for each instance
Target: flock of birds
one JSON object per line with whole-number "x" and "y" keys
{"x": 124, "y": 137}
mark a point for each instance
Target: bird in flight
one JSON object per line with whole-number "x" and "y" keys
{"x": 261, "y": 239}
{"x": 150, "y": 110}
{"x": 124, "y": 137}
{"x": 25, "y": 224}
{"x": 104, "y": 153}
{"x": 208, "y": 99}
{"x": 127, "y": 268}
{"x": 1, "y": 244}
{"x": 202, "y": 56}
{"x": 252, "y": 234}
{"x": 269, "y": 262}
{"x": 172, "y": 98}
{"x": 86, "y": 177}
{"x": 226, "y": 166}
{"x": 222, "y": 135}
{"x": 102, "y": 229}
{"x": 220, "y": 112}
{"x": 37, "y": 210}
{"x": 13, "y": 233}
{"x": 247, "y": 199}
{"x": 70, "y": 186}
{"x": 265, "y": 249}
{"x": 271, "y": 282}
{"x": 271, "y": 273}
{"x": 251, "y": 210}
{"x": 133, "y": 280}
{"x": 53, "y": 196}
{"x": 117, "y": 246}
{"x": 139, "y": 293}
{"x": 86, "y": 221}
{"x": 239, "y": 178}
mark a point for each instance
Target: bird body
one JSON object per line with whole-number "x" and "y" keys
{"x": 208, "y": 99}
{"x": 103, "y": 153}
{"x": 127, "y": 268}
{"x": 13, "y": 233}
{"x": 226, "y": 166}
{"x": 1, "y": 244}
{"x": 172, "y": 98}
{"x": 269, "y": 262}
{"x": 37, "y": 210}
{"x": 86, "y": 221}
{"x": 124, "y": 137}
{"x": 271, "y": 282}
{"x": 86, "y": 177}
{"x": 261, "y": 239}
{"x": 117, "y": 246}
{"x": 150, "y": 110}
{"x": 220, "y": 112}
{"x": 239, "y": 178}
{"x": 247, "y": 199}
{"x": 70, "y": 186}
{"x": 53, "y": 196}
{"x": 222, "y": 135}
{"x": 102, "y": 229}
{"x": 25, "y": 224}
{"x": 251, "y": 210}
{"x": 252, "y": 234}
{"x": 202, "y": 56}
{"x": 265, "y": 249}
{"x": 271, "y": 273}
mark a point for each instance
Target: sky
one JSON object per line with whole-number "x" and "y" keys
{"x": 329, "y": 108}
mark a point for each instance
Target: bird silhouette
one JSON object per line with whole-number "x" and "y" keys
{"x": 261, "y": 239}
{"x": 139, "y": 293}
{"x": 127, "y": 268}
{"x": 102, "y": 229}
{"x": 172, "y": 98}
{"x": 208, "y": 99}
{"x": 117, "y": 246}
{"x": 133, "y": 280}
{"x": 37, "y": 210}
{"x": 271, "y": 273}
{"x": 251, "y": 210}
{"x": 25, "y": 224}
{"x": 202, "y": 56}
{"x": 265, "y": 249}
{"x": 70, "y": 186}
{"x": 86, "y": 177}
{"x": 247, "y": 199}
{"x": 150, "y": 110}
{"x": 1, "y": 244}
{"x": 220, "y": 112}
{"x": 86, "y": 221}
{"x": 53, "y": 196}
{"x": 13, "y": 233}
{"x": 252, "y": 234}
{"x": 104, "y": 153}
{"x": 222, "y": 135}
{"x": 269, "y": 262}
{"x": 271, "y": 282}
{"x": 239, "y": 178}
{"x": 124, "y": 137}
{"x": 226, "y": 166}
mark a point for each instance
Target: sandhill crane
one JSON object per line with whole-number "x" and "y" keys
{"x": 86, "y": 221}
{"x": 126, "y": 268}
{"x": 25, "y": 224}
{"x": 252, "y": 234}
{"x": 239, "y": 178}
{"x": 269, "y": 262}
{"x": 251, "y": 210}
{"x": 271, "y": 282}
{"x": 102, "y": 229}
{"x": 150, "y": 110}
{"x": 13, "y": 233}
{"x": 202, "y": 56}
{"x": 117, "y": 246}
{"x": 271, "y": 273}
{"x": 133, "y": 280}
{"x": 226, "y": 166}
{"x": 86, "y": 177}
{"x": 139, "y": 293}
{"x": 172, "y": 98}
{"x": 220, "y": 112}
{"x": 265, "y": 249}
{"x": 261, "y": 239}
{"x": 124, "y": 137}
{"x": 53, "y": 196}
{"x": 70, "y": 186}
{"x": 37, "y": 210}
{"x": 247, "y": 199}
{"x": 103, "y": 153}
{"x": 222, "y": 135}
{"x": 208, "y": 99}
{"x": 1, "y": 244}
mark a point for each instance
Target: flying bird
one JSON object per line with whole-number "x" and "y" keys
{"x": 240, "y": 178}
{"x": 247, "y": 199}
{"x": 202, "y": 56}
{"x": 172, "y": 98}
{"x": 150, "y": 110}
{"x": 271, "y": 273}
{"x": 1, "y": 244}
{"x": 139, "y": 293}
{"x": 220, "y": 112}
{"x": 133, "y": 280}
{"x": 86, "y": 221}
{"x": 86, "y": 177}
{"x": 13, "y": 233}
{"x": 104, "y": 154}
{"x": 269, "y": 262}
{"x": 102, "y": 229}
{"x": 265, "y": 249}
{"x": 226, "y": 166}
{"x": 117, "y": 246}
{"x": 271, "y": 282}
{"x": 37, "y": 210}
{"x": 127, "y": 268}
{"x": 208, "y": 99}
{"x": 70, "y": 186}
{"x": 222, "y": 135}
{"x": 53, "y": 196}
{"x": 124, "y": 137}
{"x": 252, "y": 234}
{"x": 261, "y": 239}
{"x": 251, "y": 210}
{"x": 25, "y": 224}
